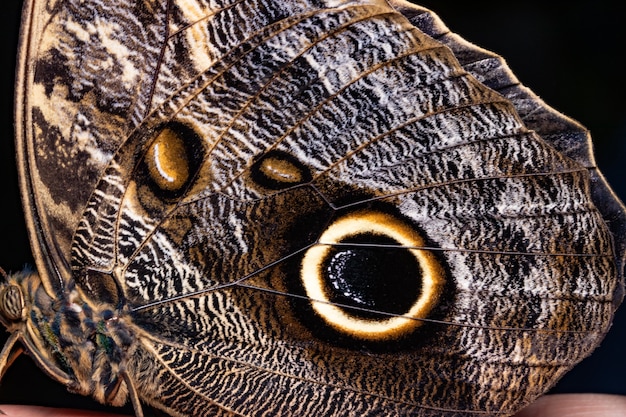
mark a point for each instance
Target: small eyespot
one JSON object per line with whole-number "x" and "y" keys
{"x": 368, "y": 279}
{"x": 277, "y": 170}
{"x": 172, "y": 159}
{"x": 167, "y": 161}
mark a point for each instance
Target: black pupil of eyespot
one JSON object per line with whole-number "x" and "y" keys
{"x": 373, "y": 278}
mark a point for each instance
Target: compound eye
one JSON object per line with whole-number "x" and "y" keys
{"x": 369, "y": 277}
{"x": 12, "y": 302}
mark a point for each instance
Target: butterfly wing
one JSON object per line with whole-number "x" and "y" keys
{"x": 226, "y": 150}
{"x": 84, "y": 83}
{"x": 566, "y": 135}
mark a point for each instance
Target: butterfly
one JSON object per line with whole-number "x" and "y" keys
{"x": 270, "y": 208}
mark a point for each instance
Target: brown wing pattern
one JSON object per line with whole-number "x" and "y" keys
{"x": 306, "y": 208}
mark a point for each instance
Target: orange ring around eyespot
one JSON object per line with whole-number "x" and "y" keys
{"x": 370, "y": 329}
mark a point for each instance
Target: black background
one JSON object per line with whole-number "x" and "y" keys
{"x": 570, "y": 56}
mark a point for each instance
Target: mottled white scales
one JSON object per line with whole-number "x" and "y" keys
{"x": 299, "y": 208}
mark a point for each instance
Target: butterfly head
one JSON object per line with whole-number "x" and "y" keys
{"x": 81, "y": 345}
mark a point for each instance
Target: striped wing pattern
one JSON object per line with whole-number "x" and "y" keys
{"x": 284, "y": 118}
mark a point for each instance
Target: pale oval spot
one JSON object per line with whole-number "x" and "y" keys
{"x": 281, "y": 170}
{"x": 277, "y": 170}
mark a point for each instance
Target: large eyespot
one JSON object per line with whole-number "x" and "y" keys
{"x": 368, "y": 279}
{"x": 172, "y": 159}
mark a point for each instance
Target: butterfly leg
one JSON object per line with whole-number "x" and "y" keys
{"x": 132, "y": 393}
{"x": 9, "y": 353}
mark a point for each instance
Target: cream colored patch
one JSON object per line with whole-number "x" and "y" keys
{"x": 85, "y": 141}
{"x": 340, "y": 4}
{"x": 56, "y": 109}
{"x": 237, "y": 231}
{"x": 81, "y": 30}
{"x": 196, "y": 35}
{"x": 123, "y": 55}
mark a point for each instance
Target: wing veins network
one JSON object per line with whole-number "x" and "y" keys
{"x": 169, "y": 36}
{"x": 254, "y": 97}
{"x": 297, "y": 377}
{"x": 240, "y": 282}
{"x": 373, "y": 140}
{"x": 183, "y": 105}
{"x": 297, "y": 19}
{"x": 499, "y": 252}
{"x": 324, "y": 102}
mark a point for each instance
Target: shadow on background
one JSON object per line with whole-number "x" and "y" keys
{"x": 568, "y": 56}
